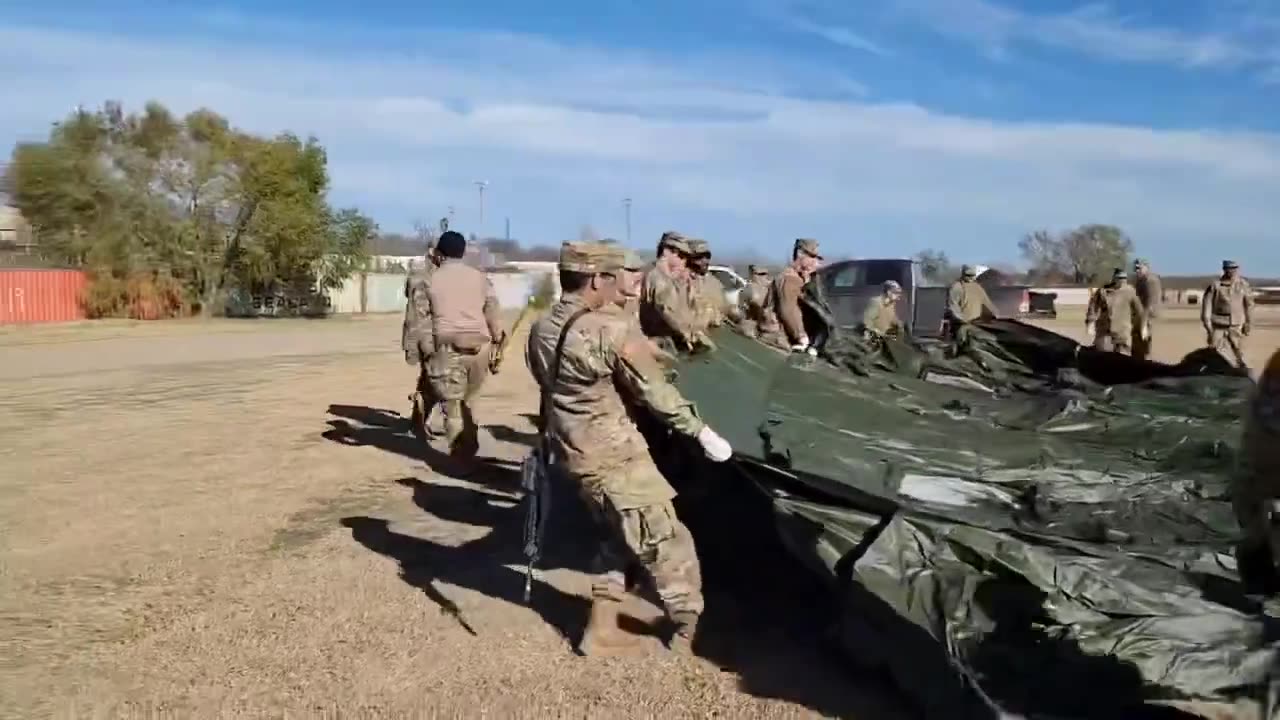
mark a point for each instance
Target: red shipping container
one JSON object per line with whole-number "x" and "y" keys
{"x": 34, "y": 296}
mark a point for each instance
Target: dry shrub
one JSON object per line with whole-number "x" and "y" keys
{"x": 147, "y": 295}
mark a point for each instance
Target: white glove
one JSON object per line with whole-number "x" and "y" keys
{"x": 716, "y": 447}
{"x": 813, "y": 351}
{"x": 1090, "y": 329}
{"x": 801, "y": 345}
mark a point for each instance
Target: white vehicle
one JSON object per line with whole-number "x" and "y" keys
{"x": 732, "y": 282}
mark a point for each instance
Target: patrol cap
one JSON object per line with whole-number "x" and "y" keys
{"x": 808, "y": 246}
{"x": 1229, "y": 265}
{"x": 631, "y": 260}
{"x": 759, "y": 270}
{"x": 1119, "y": 274}
{"x": 675, "y": 241}
{"x": 1139, "y": 263}
{"x": 891, "y": 285}
{"x": 699, "y": 247}
{"x": 968, "y": 271}
{"x": 590, "y": 258}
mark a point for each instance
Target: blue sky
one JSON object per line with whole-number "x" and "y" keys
{"x": 880, "y": 127}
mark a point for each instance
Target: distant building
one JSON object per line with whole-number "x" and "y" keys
{"x": 14, "y": 229}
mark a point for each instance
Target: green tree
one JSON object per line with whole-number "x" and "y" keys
{"x": 1095, "y": 251}
{"x": 211, "y": 206}
{"x": 1087, "y": 254}
{"x": 935, "y": 266}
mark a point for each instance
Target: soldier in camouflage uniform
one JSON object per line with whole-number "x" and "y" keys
{"x": 417, "y": 343}
{"x": 880, "y": 319}
{"x": 1150, "y": 293}
{"x": 603, "y": 372}
{"x": 1114, "y": 313}
{"x": 1226, "y": 310}
{"x": 1256, "y": 483}
{"x": 967, "y": 301}
{"x": 664, "y": 296}
{"x": 706, "y": 293}
{"x": 753, "y": 304}
{"x": 786, "y": 331}
{"x": 464, "y": 326}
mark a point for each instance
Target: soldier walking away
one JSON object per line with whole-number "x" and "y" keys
{"x": 464, "y": 320}
{"x": 1255, "y": 491}
{"x": 1151, "y": 295}
{"x": 785, "y": 298}
{"x": 1226, "y": 311}
{"x": 880, "y": 319}
{"x": 706, "y": 293}
{"x": 418, "y": 344}
{"x": 967, "y": 301}
{"x": 664, "y": 296}
{"x": 754, "y": 304}
{"x": 595, "y": 369}
{"x": 1115, "y": 314}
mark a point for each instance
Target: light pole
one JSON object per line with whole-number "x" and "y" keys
{"x": 481, "y": 185}
{"x": 626, "y": 203}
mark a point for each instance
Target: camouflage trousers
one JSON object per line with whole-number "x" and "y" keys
{"x": 1113, "y": 342}
{"x": 456, "y": 374}
{"x": 655, "y": 537}
{"x": 1229, "y": 342}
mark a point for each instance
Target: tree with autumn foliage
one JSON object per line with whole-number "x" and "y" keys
{"x": 192, "y": 203}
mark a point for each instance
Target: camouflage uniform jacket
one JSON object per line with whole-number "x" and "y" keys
{"x": 416, "y": 333}
{"x": 1227, "y": 303}
{"x": 1117, "y": 311}
{"x": 966, "y": 299}
{"x": 785, "y": 306}
{"x": 664, "y": 306}
{"x": 706, "y": 301}
{"x": 1150, "y": 294}
{"x": 605, "y": 367}
{"x": 881, "y": 318}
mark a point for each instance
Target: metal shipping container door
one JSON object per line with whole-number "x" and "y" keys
{"x": 35, "y": 296}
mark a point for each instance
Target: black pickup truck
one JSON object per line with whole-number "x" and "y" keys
{"x": 849, "y": 285}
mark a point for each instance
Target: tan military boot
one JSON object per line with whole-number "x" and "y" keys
{"x": 603, "y": 637}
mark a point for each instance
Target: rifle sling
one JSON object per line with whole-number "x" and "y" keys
{"x": 554, "y": 375}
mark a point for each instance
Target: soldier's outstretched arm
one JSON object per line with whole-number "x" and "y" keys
{"x": 1206, "y": 300}
{"x": 634, "y": 365}
{"x": 789, "y": 308}
{"x": 491, "y": 311}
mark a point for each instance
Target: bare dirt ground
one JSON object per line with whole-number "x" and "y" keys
{"x": 230, "y": 519}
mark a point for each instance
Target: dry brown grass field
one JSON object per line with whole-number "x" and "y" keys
{"x": 230, "y": 519}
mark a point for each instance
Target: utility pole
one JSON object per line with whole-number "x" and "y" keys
{"x": 508, "y": 229}
{"x": 450, "y": 215}
{"x": 481, "y": 185}
{"x": 626, "y": 203}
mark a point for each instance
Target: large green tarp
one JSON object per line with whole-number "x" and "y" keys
{"x": 1024, "y": 540}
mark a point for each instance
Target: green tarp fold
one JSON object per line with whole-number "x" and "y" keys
{"x": 1001, "y": 543}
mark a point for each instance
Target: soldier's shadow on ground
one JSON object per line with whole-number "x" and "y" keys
{"x": 483, "y": 565}
{"x": 762, "y": 620}
{"x": 389, "y": 431}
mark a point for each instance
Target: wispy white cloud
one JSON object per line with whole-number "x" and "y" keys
{"x": 1242, "y": 38}
{"x": 730, "y": 152}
